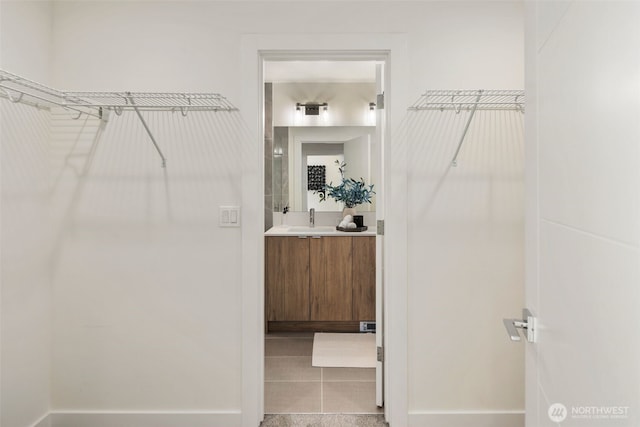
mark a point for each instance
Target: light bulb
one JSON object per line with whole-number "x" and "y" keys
{"x": 371, "y": 114}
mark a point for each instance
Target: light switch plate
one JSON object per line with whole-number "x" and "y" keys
{"x": 229, "y": 216}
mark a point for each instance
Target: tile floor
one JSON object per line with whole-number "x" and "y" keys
{"x": 293, "y": 386}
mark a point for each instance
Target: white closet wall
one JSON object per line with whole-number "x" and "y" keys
{"x": 25, "y": 234}
{"x": 145, "y": 280}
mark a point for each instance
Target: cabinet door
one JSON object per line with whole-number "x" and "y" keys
{"x": 331, "y": 278}
{"x": 364, "y": 278}
{"x": 287, "y": 279}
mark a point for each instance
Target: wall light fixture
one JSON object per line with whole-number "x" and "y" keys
{"x": 312, "y": 108}
{"x": 371, "y": 116}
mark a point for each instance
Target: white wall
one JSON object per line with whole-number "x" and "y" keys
{"x": 25, "y": 242}
{"x": 466, "y": 258}
{"x": 194, "y": 45}
{"x": 144, "y": 279}
{"x": 26, "y": 284}
{"x": 146, "y": 286}
{"x": 25, "y": 39}
{"x": 357, "y": 155}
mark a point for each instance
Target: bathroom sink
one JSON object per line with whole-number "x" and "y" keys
{"x": 307, "y": 229}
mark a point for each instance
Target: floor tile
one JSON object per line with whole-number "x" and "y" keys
{"x": 288, "y": 347}
{"x": 349, "y": 397}
{"x": 290, "y": 369}
{"x": 293, "y": 386}
{"x": 292, "y": 397}
{"x": 348, "y": 374}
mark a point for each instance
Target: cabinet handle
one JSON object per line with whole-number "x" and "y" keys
{"x": 316, "y": 237}
{"x": 302, "y": 237}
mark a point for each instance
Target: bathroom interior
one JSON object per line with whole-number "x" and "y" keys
{"x": 320, "y": 282}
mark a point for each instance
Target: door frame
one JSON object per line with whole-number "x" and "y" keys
{"x": 255, "y": 49}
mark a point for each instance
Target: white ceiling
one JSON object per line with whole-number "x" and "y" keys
{"x": 320, "y": 71}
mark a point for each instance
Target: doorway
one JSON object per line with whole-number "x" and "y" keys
{"x": 345, "y": 123}
{"x": 256, "y": 48}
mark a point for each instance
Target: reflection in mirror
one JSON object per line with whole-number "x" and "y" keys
{"x": 321, "y": 157}
{"x": 280, "y": 169}
{"x": 297, "y": 148}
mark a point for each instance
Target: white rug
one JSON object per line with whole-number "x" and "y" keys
{"x": 344, "y": 350}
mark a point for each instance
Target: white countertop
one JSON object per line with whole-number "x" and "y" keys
{"x": 318, "y": 230}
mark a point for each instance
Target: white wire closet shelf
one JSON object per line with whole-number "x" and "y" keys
{"x": 469, "y": 101}
{"x": 160, "y": 101}
{"x": 98, "y": 104}
{"x": 20, "y": 89}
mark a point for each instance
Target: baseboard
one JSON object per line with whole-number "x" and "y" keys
{"x": 467, "y": 419}
{"x": 145, "y": 419}
{"x": 234, "y": 419}
{"x": 314, "y": 326}
{"x": 45, "y": 421}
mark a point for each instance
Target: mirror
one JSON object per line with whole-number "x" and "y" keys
{"x": 304, "y": 158}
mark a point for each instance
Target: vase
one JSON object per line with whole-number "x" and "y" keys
{"x": 348, "y": 211}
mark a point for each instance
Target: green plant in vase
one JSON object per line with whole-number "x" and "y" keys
{"x": 351, "y": 192}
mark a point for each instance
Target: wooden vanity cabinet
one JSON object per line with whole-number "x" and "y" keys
{"x": 287, "y": 278}
{"x": 331, "y": 278}
{"x": 364, "y": 278}
{"x": 319, "y": 283}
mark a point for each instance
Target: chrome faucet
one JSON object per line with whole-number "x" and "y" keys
{"x": 312, "y": 217}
